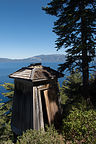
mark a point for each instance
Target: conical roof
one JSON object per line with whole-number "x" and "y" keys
{"x": 36, "y": 72}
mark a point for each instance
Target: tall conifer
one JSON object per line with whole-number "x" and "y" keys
{"x": 76, "y": 30}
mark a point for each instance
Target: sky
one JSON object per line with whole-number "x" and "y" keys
{"x": 25, "y": 29}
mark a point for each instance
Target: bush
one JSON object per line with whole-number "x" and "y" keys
{"x": 80, "y": 124}
{"x": 40, "y": 137}
{"x": 7, "y": 142}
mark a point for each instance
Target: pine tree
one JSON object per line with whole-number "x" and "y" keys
{"x": 76, "y": 30}
{"x": 6, "y": 112}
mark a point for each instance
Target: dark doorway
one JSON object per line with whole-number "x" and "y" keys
{"x": 45, "y": 117}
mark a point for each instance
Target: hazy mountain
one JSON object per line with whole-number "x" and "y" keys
{"x": 5, "y": 60}
{"x": 40, "y": 58}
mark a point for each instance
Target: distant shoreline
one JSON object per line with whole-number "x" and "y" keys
{"x": 40, "y": 58}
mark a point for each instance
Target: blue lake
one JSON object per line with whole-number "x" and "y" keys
{"x": 10, "y": 67}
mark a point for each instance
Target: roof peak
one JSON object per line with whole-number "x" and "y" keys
{"x": 35, "y": 65}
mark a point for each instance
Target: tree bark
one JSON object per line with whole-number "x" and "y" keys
{"x": 85, "y": 65}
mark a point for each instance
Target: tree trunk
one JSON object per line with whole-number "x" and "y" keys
{"x": 85, "y": 65}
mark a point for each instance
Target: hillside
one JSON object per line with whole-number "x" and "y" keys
{"x": 40, "y": 58}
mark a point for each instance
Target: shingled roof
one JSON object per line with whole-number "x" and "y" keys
{"x": 36, "y": 72}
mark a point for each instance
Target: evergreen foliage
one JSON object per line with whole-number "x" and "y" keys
{"x": 79, "y": 126}
{"x": 79, "y": 115}
{"x": 92, "y": 89}
{"x": 5, "y": 113}
{"x": 50, "y": 136}
{"x": 76, "y": 30}
{"x": 72, "y": 87}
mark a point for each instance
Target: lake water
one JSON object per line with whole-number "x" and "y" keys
{"x": 10, "y": 67}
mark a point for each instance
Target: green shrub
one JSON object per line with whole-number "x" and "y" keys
{"x": 40, "y": 137}
{"x": 80, "y": 124}
{"x": 7, "y": 142}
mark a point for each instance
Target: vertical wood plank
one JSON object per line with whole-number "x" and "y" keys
{"x": 33, "y": 107}
{"x": 47, "y": 105}
{"x": 40, "y": 111}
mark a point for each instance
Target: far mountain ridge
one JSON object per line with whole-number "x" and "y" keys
{"x": 53, "y": 58}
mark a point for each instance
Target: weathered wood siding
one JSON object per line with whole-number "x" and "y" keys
{"x": 22, "y": 115}
{"x": 51, "y": 96}
{"x": 38, "y": 121}
{"x": 51, "y": 105}
{"x": 31, "y": 104}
